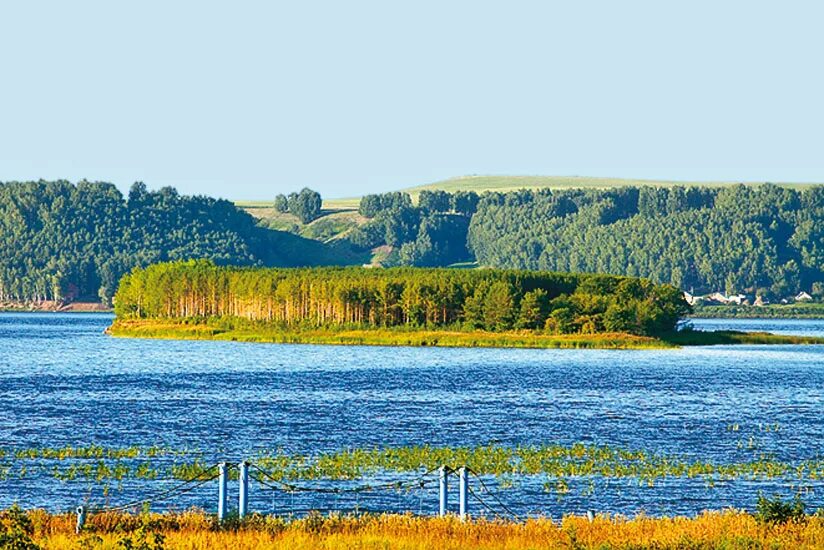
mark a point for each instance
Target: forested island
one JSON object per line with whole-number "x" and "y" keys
{"x": 396, "y": 306}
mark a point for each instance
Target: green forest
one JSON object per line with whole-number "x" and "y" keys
{"x": 487, "y": 299}
{"x": 61, "y": 241}
{"x": 766, "y": 239}
{"x": 758, "y": 239}
{"x": 64, "y": 241}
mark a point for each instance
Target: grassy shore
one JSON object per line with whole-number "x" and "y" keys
{"x": 772, "y": 311}
{"x": 259, "y": 332}
{"x": 196, "y": 530}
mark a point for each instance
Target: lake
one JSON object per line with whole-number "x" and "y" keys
{"x": 63, "y": 382}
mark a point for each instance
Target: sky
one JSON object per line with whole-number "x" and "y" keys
{"x": 244, "y": 100}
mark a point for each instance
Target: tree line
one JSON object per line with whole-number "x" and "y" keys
{"x": 429, "y": 234}
{"x": 488, "y": 299}
{"x": 64, "y": 241}
{"x": 765, "y": 239}
{"x": 306, "y": 205}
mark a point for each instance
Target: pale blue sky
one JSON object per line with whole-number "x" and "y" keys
{"x": 248, "y": 99}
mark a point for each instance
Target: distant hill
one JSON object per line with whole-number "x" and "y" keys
{"x": 61, "y": 241}
{"x": 503, "y": 184}
{"x": 479, "y": 184}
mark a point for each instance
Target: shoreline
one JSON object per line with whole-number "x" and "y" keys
{"x": 55, "y": 307}
{"x": 195, "y": 529}
{"x": 170, "y": 330}
{"x": 803, "y": 311}
{"x": 816, "y": 312}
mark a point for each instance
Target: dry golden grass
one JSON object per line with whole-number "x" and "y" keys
{"x": 195, "y": 531}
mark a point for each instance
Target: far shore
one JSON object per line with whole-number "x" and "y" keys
{"x": 801, "y": 312}
{"x": 166, "y": 329}
{"x": 55, "y": 307}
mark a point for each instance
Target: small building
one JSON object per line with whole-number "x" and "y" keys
{"x": 803, "y": 297}
{"x": 718, "y": 297}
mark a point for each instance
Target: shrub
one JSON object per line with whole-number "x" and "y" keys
{"x": 778, "y": 511}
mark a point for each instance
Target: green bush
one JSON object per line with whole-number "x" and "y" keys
{"x": 778, "y": 511}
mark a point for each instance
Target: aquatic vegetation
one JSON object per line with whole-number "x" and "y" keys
{"x": 557, "y": 462}
{"x": 197, "y": 530}
{"x": 92, "y": 451}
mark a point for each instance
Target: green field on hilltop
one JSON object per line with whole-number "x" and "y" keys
{"x": 479, "y": 184}
{"x": 329, "y": 205}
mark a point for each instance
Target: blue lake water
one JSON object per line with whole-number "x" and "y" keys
{"x": 63, "y": 382}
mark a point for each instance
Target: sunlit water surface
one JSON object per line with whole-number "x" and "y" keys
{"x": 63, "y": 382}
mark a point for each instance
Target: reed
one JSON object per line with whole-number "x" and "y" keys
{"x": 194, "y": 530}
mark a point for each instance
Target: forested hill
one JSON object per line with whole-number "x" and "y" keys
{"x": 60, "y": 240}
{"x": 765, "y": 239}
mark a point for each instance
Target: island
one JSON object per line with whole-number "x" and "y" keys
{"x": 198, "y": 299}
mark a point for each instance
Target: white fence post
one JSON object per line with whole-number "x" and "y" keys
{"x": 444, "y": 490}
{"x": 243, "y": 499}
{"x": 81, "y": 519}
{"x": 463, "y": 489}
{"x": 221, "y": 491}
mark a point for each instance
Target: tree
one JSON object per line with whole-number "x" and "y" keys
{"x": 441, "y": 241}
{"x": 306, "y": 205}
{"x": 465, "y": 202}
{"x": 499, "y": 307}
{"x": 621, "y": 318}
{"x": 368, "y": 236}
{"x": 561, "y": 321}
{"x": 281, "y": 203}
{"x": 534, "y": 309}
{"x": 401, "y": 225}
{"x": 434, "y": 201}
{"x": 370, "y": 206}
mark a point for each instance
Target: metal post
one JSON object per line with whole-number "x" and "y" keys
{"x": 81, "y": 519}
{"x": 221, "y": 491}
{"x": 243, "y": 499}
{"x": 444, "y": 490}
{"x": 591, "y": 515}
{"x": 463, "y": 490}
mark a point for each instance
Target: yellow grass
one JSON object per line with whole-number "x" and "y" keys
{"x": 170, "y": 329}
{"x": 194, "y": 531}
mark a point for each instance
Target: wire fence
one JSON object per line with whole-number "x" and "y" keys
{"x": 419, "y": 495}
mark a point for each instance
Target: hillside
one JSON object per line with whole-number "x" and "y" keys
{"x": 63, "y": 242}
{"x": 504, "y": 184}
{"x": 338, "y": 217}
{"x": 760, "y": 239}
{"x": 766, "y": 240}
